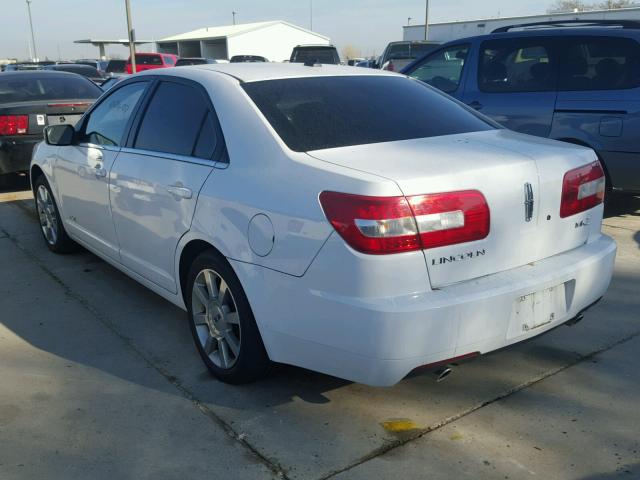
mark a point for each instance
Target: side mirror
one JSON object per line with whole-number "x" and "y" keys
{"x": 59, "y": 135}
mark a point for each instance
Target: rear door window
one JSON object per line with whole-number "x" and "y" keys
{"x": 174, "y": 120}
{"x": 443, "y": 69}
{"x": 516, "y": 65}
{"x": 599, "y": 63}
{"x": 326, "y": 112}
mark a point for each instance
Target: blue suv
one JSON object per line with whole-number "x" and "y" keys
{"x": 573, "y": 81}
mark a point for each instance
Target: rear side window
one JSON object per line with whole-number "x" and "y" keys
{"x": 514, "y": 65}
{"x": 599, "y": 63}
{"x": 443, "y": 69}
{"x": 173, "y": 122}
{"x": 326, "y": 112}
{"x": 33, "y": 88}
{"x": 107, "y": 122}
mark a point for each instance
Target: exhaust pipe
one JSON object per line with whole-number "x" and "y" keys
{"x": 574, "y": 320}
{"x": 443, "y": 373}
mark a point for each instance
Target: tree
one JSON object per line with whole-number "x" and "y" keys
{"x": 562, "y": 6}
{"x": 349, "y": 52}
{"x": 615, "y": 4}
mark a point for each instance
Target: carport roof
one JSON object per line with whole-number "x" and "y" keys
{"x": 230, "y": 31}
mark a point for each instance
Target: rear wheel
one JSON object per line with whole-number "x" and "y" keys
{"x": 50, "y": 223}
{"x": 222, "y": 323}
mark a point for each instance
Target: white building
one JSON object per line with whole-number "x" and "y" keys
{"x": 445, "y": 32}
{"x": 273, "y": 40}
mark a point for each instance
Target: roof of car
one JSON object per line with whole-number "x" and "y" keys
{"x": 552, "y": 32}
{"x": 253, "y": 72}
{"x": 39, "y": 73}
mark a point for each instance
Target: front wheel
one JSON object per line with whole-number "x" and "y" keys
{"x": 50, "y": 222}
{"x": 222, "y": 323}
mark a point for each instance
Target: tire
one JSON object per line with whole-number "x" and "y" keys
{"x": 223, "y": 327}
{"x": 53, "y": 232}
{"x": 6, "y": 181}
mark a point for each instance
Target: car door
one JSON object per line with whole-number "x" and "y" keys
{"x": 516, "y": 83}
{"x": 599, "y": 103}
{"x": 157, "y": 177}
{"x": 82, "y": 170}
{"x": 444, "y": 69}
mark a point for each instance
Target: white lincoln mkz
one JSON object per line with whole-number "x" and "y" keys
{"x": 350, "y": 221}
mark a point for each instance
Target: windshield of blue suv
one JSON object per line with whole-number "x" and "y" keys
{"x": 327, "y": 112}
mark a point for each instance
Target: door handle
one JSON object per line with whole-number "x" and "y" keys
{"x": 476, "y": 105}
{"x": 98, "y": 171}
{"x": 179, "y": 191}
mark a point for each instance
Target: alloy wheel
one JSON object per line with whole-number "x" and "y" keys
{"x": 216, "y": 319}
{"x": 47, "y": 214}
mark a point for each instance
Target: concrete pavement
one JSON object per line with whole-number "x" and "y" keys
{"x": 99, "y": 378}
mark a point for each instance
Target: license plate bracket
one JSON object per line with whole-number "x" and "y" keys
{"x": 537, "y": 309}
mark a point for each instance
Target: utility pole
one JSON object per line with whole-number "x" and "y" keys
{"x": 33, "y": 38}
{"x": 426, "y": 20}
{"x": 234, "y": 17}
{"x": 132, "y": 37}
{"x": 311, "y": 15}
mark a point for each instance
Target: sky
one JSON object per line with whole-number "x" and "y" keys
{"x": 366, "y": 25}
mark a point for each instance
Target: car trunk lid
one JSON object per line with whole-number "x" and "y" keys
{"x": 508, "y": 169}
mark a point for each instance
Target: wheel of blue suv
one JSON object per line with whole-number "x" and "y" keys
{"x": 222, "y": 323}
{"x": 51, "y": 225}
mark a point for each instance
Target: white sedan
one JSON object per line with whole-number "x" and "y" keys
{"x": 345, "y": 220}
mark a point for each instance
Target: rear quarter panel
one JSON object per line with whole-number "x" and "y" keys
{"x": 264, "y": 177}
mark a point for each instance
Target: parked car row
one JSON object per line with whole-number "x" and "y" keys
{"x": 580, "y": 85}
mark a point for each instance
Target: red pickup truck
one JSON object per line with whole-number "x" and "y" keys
{"x": 150, "y": 61}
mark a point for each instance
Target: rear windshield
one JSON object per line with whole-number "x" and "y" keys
{"x": 148, "y": 60}
{"x": 409, "y": 50}
{"x": 316, "y": 55}
{"x": 32, "y": 89}
{"x": 85, "y": 70}
{"x": 116, "y": 66}
{"x": 190, "y": 61}
{"x": 328, "y": 112}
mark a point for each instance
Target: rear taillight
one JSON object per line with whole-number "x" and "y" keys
{"x": 14, "y": 124}
{"x": 382, "y": 225}
{"x": 582, "y": 188}
{"x": 450, "y": 218}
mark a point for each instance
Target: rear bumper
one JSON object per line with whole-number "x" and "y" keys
{"x": 378, "y": 340}
{"x": 624, "y": 170}
{"x": 15, "y": 154}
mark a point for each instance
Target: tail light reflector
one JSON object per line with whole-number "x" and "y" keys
{"x": 14, "y": 124}
{"x": 582, "y": 188}
{"x": 384, "y": 225}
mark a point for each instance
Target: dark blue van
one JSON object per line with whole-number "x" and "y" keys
{"x": 574, "y": 81}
